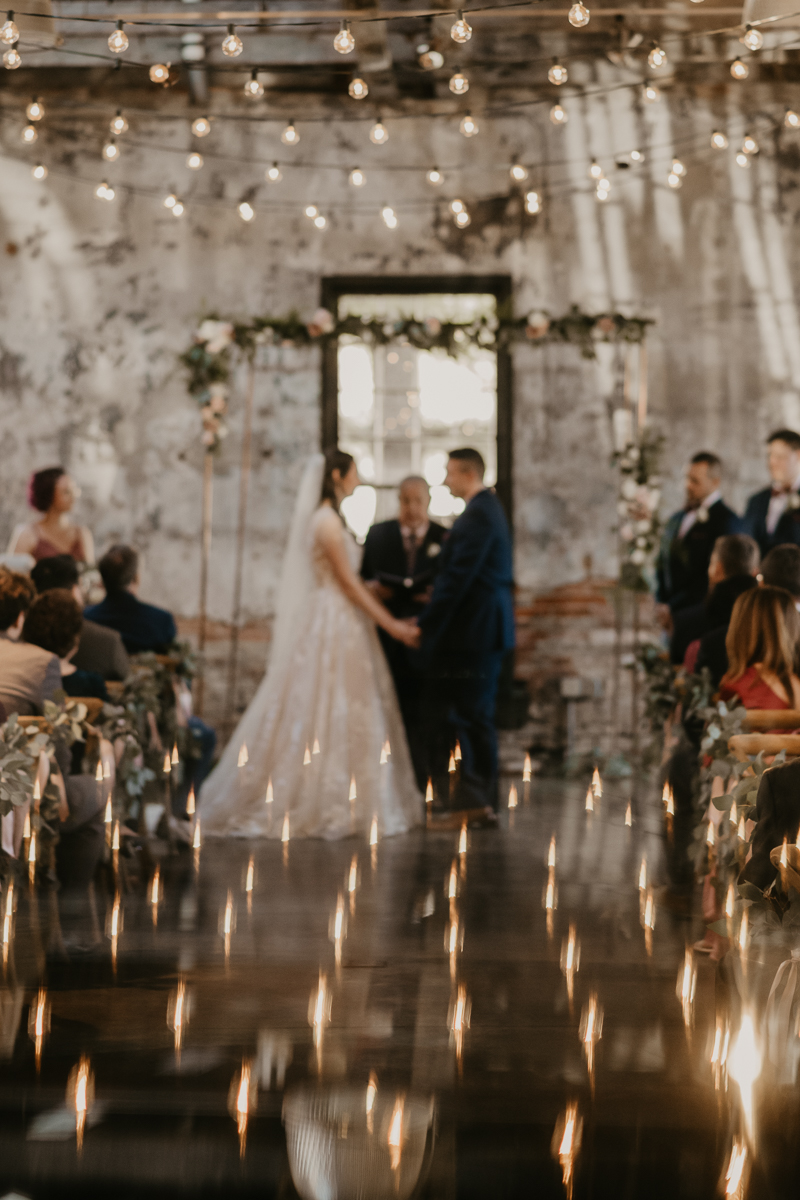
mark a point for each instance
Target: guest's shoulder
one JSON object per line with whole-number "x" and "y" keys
{"x": 157, "y": 614}
{"x": 383, "y": 527}
{"x": 784, "y": 777}
{"x": 760, "y": 497}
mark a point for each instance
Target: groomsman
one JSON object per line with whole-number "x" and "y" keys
{"x": 772, "y": 516}
{"x": 399, "y": 563}
{"x": 690, "y": 534}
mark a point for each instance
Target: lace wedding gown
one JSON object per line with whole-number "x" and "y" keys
{"x": 318, "y": 727}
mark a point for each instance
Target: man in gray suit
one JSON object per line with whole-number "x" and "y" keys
{"x": 28, "y": 675}
{"x": 100, "y": 649}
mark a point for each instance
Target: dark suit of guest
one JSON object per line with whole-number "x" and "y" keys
{"x": 467, "y": 629}
{"x": 788, "y": 526}
{"x": 682, "y": 566}
{"x": 399, "y": 559}
{"x": 777, "y": 817}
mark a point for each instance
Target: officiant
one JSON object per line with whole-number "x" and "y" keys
{"x": 399, "y": 564}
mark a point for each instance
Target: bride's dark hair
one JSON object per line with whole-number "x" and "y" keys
{"x": 335, "y": 460}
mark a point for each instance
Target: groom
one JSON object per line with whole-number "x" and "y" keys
{"x": 467, "y": 629}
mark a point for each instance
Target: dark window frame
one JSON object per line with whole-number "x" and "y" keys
{"x": 500, "y": 286}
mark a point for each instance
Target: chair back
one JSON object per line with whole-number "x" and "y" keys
{"x": 747, "y": 745}
{"x": 764, "y": 720}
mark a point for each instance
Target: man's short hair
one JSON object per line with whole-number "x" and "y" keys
{"x": 414, "y": 479}
{"x": 781, "y": 568}
{"x": 59, "y": 571}
{"x": 118, "y": 568}
{"x": 17, "y": 594}
{"x": 788, "y": 436}
{"x": 472, "y": 458}
{"x": 713, "y": 463}
{"x": 738, "y": 554}
{"x": 54, "y": 622}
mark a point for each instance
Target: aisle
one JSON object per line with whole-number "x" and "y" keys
{"x": 652, "y": 1128}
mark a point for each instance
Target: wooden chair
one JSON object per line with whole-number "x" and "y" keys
{"x": 763, "y": 720}
{"x": 745, "y": 745}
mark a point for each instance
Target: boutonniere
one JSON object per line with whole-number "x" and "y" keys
{"x": 793, "y": 501}
{"x": 702, "y": 515}
{"x": 434, "y": 549}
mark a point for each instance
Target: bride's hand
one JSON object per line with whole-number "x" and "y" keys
{"x": 407, "y": 633}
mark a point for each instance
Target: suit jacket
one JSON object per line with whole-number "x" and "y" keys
{"x": 777, "y": 817}
{"x": 101, "y": 650}
{"x": 384, "y": 555}
{"x": 682, "y": 566}
{"x": 714, "y": 613}
{"x": 713, "y": 654}
{"x": 142, "y": 626}
{"x": 471, "y": 612}
{"x": 28, "y": 677}
{"x": 755, "y": 523}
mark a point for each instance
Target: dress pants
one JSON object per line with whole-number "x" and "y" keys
{"x": 458, "y": 705}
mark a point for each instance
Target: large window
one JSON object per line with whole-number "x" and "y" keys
{"x": 399, "y": 410}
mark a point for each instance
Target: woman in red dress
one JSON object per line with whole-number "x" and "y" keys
{"x": 762, "y": 646}
{"x": 53, "y": 494}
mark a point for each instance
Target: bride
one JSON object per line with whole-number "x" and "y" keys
{"x": 321, "y": 751}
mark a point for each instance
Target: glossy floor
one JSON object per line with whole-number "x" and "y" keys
{"x": 442, "y": 1047}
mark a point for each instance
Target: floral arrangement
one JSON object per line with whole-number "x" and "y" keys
{"x": 208, "y": 359}
{"x": 637, "y": 508}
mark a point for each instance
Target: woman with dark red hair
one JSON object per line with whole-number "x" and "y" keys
{"x": 52, "y": 492}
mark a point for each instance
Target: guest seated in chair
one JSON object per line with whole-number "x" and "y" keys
{"x": 142, "y": 626}
{"x": 698, "y": 639}
{"x": 29, "y": 675}
{"x": 53, "y": 493}
{"x": 54, "y": 623}
{"x": 781, "y": 568}
{"x": 100, "y": 650}
{"x": 777, "y": 817}
{"x": 762, "y": 646}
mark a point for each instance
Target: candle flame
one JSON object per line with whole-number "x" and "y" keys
{"x": 462, "y": 839}
{"x": 352, "y": 878}
{"x": 396, "y": 1134}
{"x": 451, "y": 766}
{"x": 191, "y": 803}
{"x": 372, "y": 1091}
{"x": 270, "y": 794}
{"x": 459, "y": 1020}
{"x": 81, "y": 1096}
{"x": 167, "y": 768}
{"x": 115, "y": 923}
{"x": 315, "y": 747}
{"x": 457, "y": 751}
{"x": 730, "y": 900}
{"x": 744, "y": 929}
{"x": 670, "y": 804}
{"x": 526, "y": 769}
{"x": 109, "y": 813}
{"x": 784, "y": 860}
{"x": 736, "y": 1165}
{"x": 26, "y": 829}
{"x": 551, "y": 853}
{"x": 155, "y": 886}
{"x": 566, "y": 1143}
{"x": 710, "y": 835}
{"x": 733, "y": 816}
{"x": 591, "y": 1031}
{"x": 37, "y": 793}
{"x": 177, "y": 1015}
{"x": 742, "y": 831}
{"x": 373, "y": 832}
{"x": 175, "y": 758}
{"x": 589, "y": 805}
{"x": 452, "y": 883}
{"x": 744, "y": 1066}
{"x": 570, "y": 960}
{"x": 597, "y": 783}
{"x": 687, "y": 981}
{"x": 39, "y": 1024}
{"x": 628, "y": 815}
{"x": 32, "y": 848}
{"x": 512, "y": 796}
{"x": 643, "y": 875}
{"x": 244, "y": 757}
{"x": 98, "y": 775}
{"x": 353, "y": 792}
{"x": 10, "y": 899}
{"x": 285, "y": 830}
{"x": 429, "y": 793}
{"x": 196, "y": 839}
{"x": 797, "y": 843}
{"x": 248, "y": 883}
{"x": 665, "y": 793}
{"x": 243, "y": 1106}
{"x": 307, "y": 756}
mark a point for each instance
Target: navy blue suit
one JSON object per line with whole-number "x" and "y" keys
{"x": 755, "y": 522}
{"x": 142, "y": 627}
{"x": 682, "y": 566}
{"x": 467, "y": 629}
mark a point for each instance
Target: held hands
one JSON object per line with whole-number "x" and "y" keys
{"x": 407, "y": 632}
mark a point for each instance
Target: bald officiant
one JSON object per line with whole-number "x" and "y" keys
{"x": 399, "y": 564}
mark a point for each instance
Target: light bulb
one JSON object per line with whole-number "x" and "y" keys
{"x": 579, "y": 15}
{"x": 201, "y": 126}
{"x": 195, "y": 161}
{"x": 320, "y": 221}
{"x": 389, "y": 217}
{"x": 435, "y": 177}
{"x": 39, "y": 171}
{"x": 469, "y": 126}
{"x": 378, "y": 134}
{"x": 558, "y": 74}
{"x": 518, "y": 172}
{"x": 273, "y": 174}
{"x": 177, "y": 209}
{"x": 290, "y": 136}
{"x": 118, "y": 123}
{"x": 35, "y": 110}
{"x": 752, "y": 38}
{"x": 678, "y": 167}
{"x": 246, "y": 211}
{"x": 657, "y": 57}
{"x": 650, "y": 93}
{"x": 719, "y": 140}
{"x": 792, "y": 119}
{"x": 111, "y": 151}
{"x": 159, "y": 73}
{"x": 595, "y": 170}
{"x": 232, "y": 45}
{"x": 533, "y": 203}
{"x": 558, "y": 115}
{"x": 311, "y": 211}
{"x": 431, "y": 60}
{"x": 358, "y": 89}
{"x": 742, "y": 159}
{"x": 29, "y": 135}
{"x": 674, "y": 180}
{"x": 344, "y": 42}
{"x": 12, "y": 59}
{"x": 170, "y": 201}
{"x": 739, "y": 69}
{"x": 457, "y": 206}
{"x": 459, "y": 84}
{"x": 460, "y": 30}
{"x": 462, "y": 219}
{"x": 253, "y": 88}
{"x": 602, "y": 193}
{"x": 637, "y": 156}
{"x": 357, "y": 177}
{"x": 750, "y": 145}
{"x": 104, "y": 192}
{"x": 8, "y": 31}
{"x": 118, "y": 40}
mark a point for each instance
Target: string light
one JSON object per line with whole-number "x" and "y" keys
{"x": 595, "y": 170}
{"x": 429, "y": 60}
{"x": 170, "y": 201}
{"x": 178, "y": 209}
{"x": 435, "y": 177}
{"x": 111, "y": 151}
{"x": 792, "y": 119}
{"x": 195, "y": 161}
{"x": 357, "y": 177}
{"x": 578, "y": 15}
{"x": 752, "y": 38}
{"x": 358, "y": 89}
{"x": 378, "y": 134}
{"x": 457, "y": 206}
{"x": 118, "y": 40}
{"x": 678, "y": 168}
{"x": 232, "y": 44}
{"x": 739, "y": 69}
{"x": 273, "y": 174}
{"x": 159, "y": 73}
{"x": 459, "y": 84}
{"x": 253, "y": 88}
{"x": 674, "y": 180}
{"x": 749, "y": 145}
{"x": 650, "y": 93}
{"x": 718, "y": 140}
{"x": 311, "y": 211}
{"x": 320, "y": 221}
{"x": 603, "y": 189}
{"x": 290, "y": 136}
{"x": 469, "y": 126}
{"x": 35, "y": 110}
{"x": 344, "y": 42}
{"x": 518, "y": 172}
{"x": 389, "y": 217}
{"x": 460, "y": 30}
{"x": 558, "y": 115}
{"x": 637, "y": 156}
{"x": 201, "y": 126}
{"x": 657, "y": 57}
{"x": 118, "y": 123}
{"x": 104, "y": 192}
{"x": 462, "y": 219}
{"x": 39, "y": 171}
{"x": 9, "y": 33}
{"x": 558, "y": 73}
{"x": 742, "y": 159}
{"x": 12, "y": 58}
{"x": 29, "y": 135}
{"x": 533, "y": 203}
{"x": 246, "y": 211}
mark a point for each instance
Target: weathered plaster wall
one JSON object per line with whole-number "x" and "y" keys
{"x": 97, "y": 300}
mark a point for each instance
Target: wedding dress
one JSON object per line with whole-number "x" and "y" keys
{"x": 321, "y": 751}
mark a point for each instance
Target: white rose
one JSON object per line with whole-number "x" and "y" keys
{"x": 216, "y": 334}
{"x": 626, "y": 533}
{"x": 702, "y": 516}
{"x": 654, "y": 499}
{"x": 641, "y": 542}
{"x": 643, "y": 526}
{"x": 434, "y": 549}
{"x": 638, "y": 557}
{"x": 629, "y": 489}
